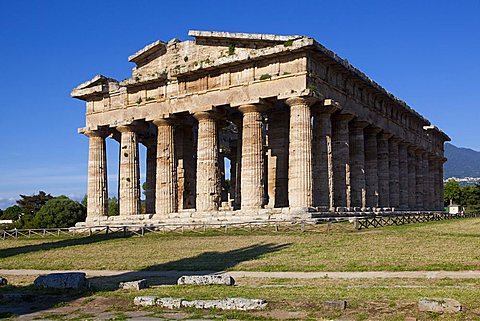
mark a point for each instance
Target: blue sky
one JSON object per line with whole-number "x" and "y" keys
{"x": 425, "y": 52}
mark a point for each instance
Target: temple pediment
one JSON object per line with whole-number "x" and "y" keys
{"x": 95, "y": 86}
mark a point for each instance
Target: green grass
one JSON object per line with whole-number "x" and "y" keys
{"x": 446, "y": 245}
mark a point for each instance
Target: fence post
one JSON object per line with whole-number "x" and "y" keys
{"x": 124, "y": 231}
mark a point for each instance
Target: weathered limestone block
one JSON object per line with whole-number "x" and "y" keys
{"x": 439, "y": 305}
{"x": 206, "y": 280}
{"x": 227, "y": 304}
{"x": 357, "y": 164}
{"x": 208, "y": 175}
{"x": 97, "y": 191}
{"x": 403, "y": 175}
{"x": 383, "y": 170}
{"x": 300, "y": 188}
{"x": 72, "y": 280}
{"x": 129, "y": 189}
{"x": 166, "y": 180}
{"x": 341, "y": 159}
{"x": 3, "y": 281}
{"x": 145, "y": 301}
{"x": 252, "y": 176}
{"x": 169, "y": 303}
{"x": 371, "y": 165}
{"x": 133, "y": 285}
{"x": 335, "y": 304}
{"x": 322, "y": 154}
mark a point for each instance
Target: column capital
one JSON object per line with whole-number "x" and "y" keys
{"x": 249, "y": 108}
{"x": 359, "y": 124}
{"x": 206, "y": 115}
{"x": 385, "y": 136}
{"x": 396, "y": 140}
{"x": 306, "y": 101}
{"x": 343, "y": 117}
{"x": 327, "y": 107}
{"x": 96, "y": 133}
{"x": 125, "y": 128}
{"x": 372, "y": 130}
{"x": 164, "y": 121}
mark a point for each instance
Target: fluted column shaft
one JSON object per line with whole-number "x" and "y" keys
{"x": 151, "y": 176}
{"x": 403, "y": 175}
{"x": 208, "y": 175}
{"x": 253, "y": 176}
{"x": 371, "y": 161}
{"x": 357, "y": 164}
{"x": 300, "y": 187}
{"x": 394, "y": 178}
{"x": 341, "y": 160}
{"x": 322, "y": 154}
{"x": 419, "y": 179}
{"x": 383, "y": 170}
{"x": 437, "y": 181}
{"x": 431, "y": 183}
{"x": 166, "y": 182}
{"x": 441, "y": 200}
{"x": 129, "y": 197}
{"x": 97, "y": 192}
{"x": 412, "y": 175}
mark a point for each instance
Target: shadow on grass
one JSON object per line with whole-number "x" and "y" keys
{"x": 160, "y": 274}
{"x": 4, "y": 253}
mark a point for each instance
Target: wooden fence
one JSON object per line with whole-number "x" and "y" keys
{"x": 319, "y": 225}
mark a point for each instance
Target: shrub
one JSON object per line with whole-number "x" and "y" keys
{"x": 60, "y": 212}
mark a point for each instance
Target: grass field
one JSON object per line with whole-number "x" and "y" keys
{"x": 446, "y": 245}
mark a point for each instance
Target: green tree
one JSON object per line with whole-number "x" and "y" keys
{"x": 113, "y": 209}
{"x": 31, "y": 204}
{"x": 452, "y": 192}
{"x": 60, "y": 212}
{"x": 12, "y": 213}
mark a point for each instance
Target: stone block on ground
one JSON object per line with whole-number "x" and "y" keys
{"x": 145, "y": 301}
{"x": 443, "y": 305}
{"x": 133, "y": 285}
{"x": 227, "y": 304}
{"x": 169, "y": 303}
{"x": 335, "y": 304}
{"x": 206, "y": 280}
{"x": 71, "y": 280}
{"x": 3, "y": 281}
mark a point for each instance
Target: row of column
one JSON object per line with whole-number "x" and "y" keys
{"x": 335, "y": 162}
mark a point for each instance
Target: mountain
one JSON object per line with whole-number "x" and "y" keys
{"x": 462, "y": 162}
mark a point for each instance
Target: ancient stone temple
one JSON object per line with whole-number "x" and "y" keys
{"x": 303, "y": 130}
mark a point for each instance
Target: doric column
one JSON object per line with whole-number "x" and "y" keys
{"x": 277, "y": 142}
{"x": 166, "y": 182}
{"x": 383, "y": 170}
{"x": 412, "y": 175}
{"x": 341, "y": 160}
{"x": 238, "y": 164}
{"x": 431, "y": 182}
{"x": 208, "y": 176}
{"x": 441, "y": 200}
{"x": 189, "y": 166}
{"x": 322, "y": 154}
{"x": 403, "y": 175}
{"x": 151, "y": 175}
{"x": 300, "y": 189}
{"x": 371, "y": 161}
{"x": 394, "y": 177}
{"x": 357, "y": 164}
{"x": 252, "y": 176}
{"x": 419, "y": 179}
{"x": 97, "y": 192}
{"x": 438, "y": 183}
{"x": 129, "y": 197}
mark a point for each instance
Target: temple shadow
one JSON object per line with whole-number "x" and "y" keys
{"x": 13, "y": 251}
{"x": 39, "y": 300}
